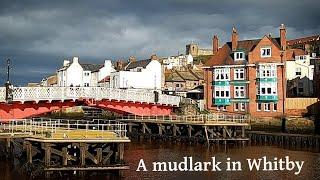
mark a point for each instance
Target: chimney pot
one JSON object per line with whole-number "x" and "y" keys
{"x": 234, "y": 39}
{"x": 215, "y": 44}
{"x": 283, "y": 40}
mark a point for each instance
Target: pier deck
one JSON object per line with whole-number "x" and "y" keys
{"x": 67, "y": 145}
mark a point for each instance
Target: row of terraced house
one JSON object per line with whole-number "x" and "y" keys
{"x": 250, "y": 76}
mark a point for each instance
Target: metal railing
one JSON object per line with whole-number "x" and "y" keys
{"x": 23, "y": 94}
{"x": 45, "y": 127}
{"x": 204, "y": 118}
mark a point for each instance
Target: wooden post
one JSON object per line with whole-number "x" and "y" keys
{"x": 160, "y": 129}
{"x": 29, "y": 152}
{"x": 143, "y": 128}
{"x": 83, "y": 148}
{"x": 47, "y": 156}
{"x": 174, "y": 130}
{"x": 189, "y": 131}
{"x": 64, "y": 156}
{"x": 99, "y": 155}
{"x": 130, "y": 128}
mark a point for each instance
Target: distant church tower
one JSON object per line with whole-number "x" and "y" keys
{"x": 192, "y": 49}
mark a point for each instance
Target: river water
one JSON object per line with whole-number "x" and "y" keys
{"x": 168, "y": 151}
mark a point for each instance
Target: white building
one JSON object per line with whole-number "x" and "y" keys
{"x": 78, "y": 74}
{"x": 143, "y": 74}
{"x": 177, "y": 61}
{"x": 299, "y": 73}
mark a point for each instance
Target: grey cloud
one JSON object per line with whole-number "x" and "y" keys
{"x": 40, "y": 34}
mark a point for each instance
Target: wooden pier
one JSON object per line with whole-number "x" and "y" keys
{"x": 210, "y": 127}
{"x": 285, "y": 140}
{"x": 66, "y": 145}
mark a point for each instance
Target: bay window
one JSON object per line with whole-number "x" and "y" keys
{"x": 266, "y": 71}
{"x": 222, "y": 91}
{"x": 222, "y": 74}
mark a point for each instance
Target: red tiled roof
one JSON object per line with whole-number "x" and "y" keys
{"x": 223, "y": 56}
{"x": 291, "y": 53}
{"x": 303, "y": 40}
{"x": 106, "y": 79}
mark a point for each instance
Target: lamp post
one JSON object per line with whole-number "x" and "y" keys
{"x": 283, "y": 124}
{"x": 8, "y": 84}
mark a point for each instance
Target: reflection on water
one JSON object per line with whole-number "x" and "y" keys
{"x": 153, "y": 151}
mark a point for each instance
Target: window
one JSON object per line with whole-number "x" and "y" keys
{"x": 275, "y": 107}
{"x": 239, "y": 56}
{"x": 303, "y": 57}
{"x": 267, "y": 89}
{"x": 221, "y": 108}
{"x": 300, "y": 87}
{"x": 266, "y": 71}
{"x": 86, "y": 74}
{"x": 177, "y": 85}
{"x": 266, "y": 52}
{"x": 236, "y": 107}
{"x": 222, "y": 91}
{"x": 267, "y": 107}
{"x": 239, "y": 106}
{"x": 298, "y": 71}
{"x": 86, "y": 84}
{"x": 259, "y": 106}
{"x": 222, "y": 74}
{"x": 239, "y": 92}
{"x": 243, "y": 106}
{"x": 239, "y": 74}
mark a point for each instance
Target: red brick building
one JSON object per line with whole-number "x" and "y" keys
{"x": 247, "y": 76}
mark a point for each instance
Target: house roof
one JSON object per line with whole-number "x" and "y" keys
{"x": 187, "y": 75}
{"x": 135, "y": 64}
{"x": 105, "y": 79}
{"x": 291, "y": 53}
{"x": 181, "y": 76}
{"x": 173, "y": 76}
{"x": 224, "y": 54}
{"x": 91, "y": 67}
{"x": 303, "y": 40}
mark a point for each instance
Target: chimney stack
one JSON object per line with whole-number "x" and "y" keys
{"x": 75, "y": 59}
{"x": 215, "y": 44}
{"x": 283, "y": 40}
{"x": 234, "y": 39}
{"x": 132, "y": 59}
{"x": 119, "y": 65}
{"x": 154, "y": 57}
{"x": 66, "y": 62}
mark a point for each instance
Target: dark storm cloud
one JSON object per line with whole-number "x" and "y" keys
{"x": 38, "y": 35}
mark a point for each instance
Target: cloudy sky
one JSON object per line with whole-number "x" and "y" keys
{"x": 37, "y": 35}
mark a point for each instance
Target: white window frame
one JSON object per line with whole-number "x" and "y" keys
{"x": 221, "y": 89}
{"x": 265, "y": 107}
{"x": 265, "y": 49}
{"x": 239, "y": 90}
{"x": 242, "y": 106}
{"x": 267, "y": 71}
{"x": 222, "y": 108}
{"x": 239, "y": 56}
{"x": 298, "y": 70}
{"x": 236, "y": 106}
{"x": 238, "y": 72}
{"x": 273, "y": 107}
{"x": 265, "y": 87}
{"x": 259, "y": 109}
{"x": 222, "y": 74}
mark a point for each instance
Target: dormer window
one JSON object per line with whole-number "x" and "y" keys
{"x": 239, "y": 56}
{"x": 302, "y": 57}
{"x": 266, "y": 52}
